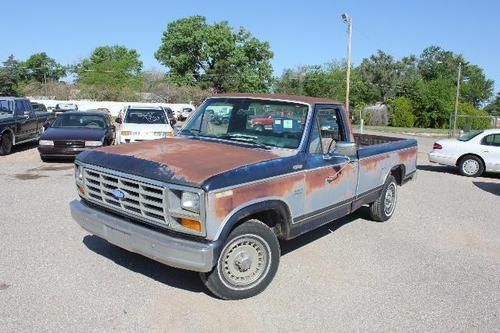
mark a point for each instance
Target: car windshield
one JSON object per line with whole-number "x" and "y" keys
{"x": 469, "y": 136}
{"x": 81, "y": 121}
{"x": 262, "y": 123}
{"x": 4, "y": 106}
{"x": 145, "y": 116}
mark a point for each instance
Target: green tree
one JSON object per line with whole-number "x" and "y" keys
{"x": 402, "y": 112}
{"x": 10, "y": 77}
{"x": 472, "y": 117}
{"x": 215, "y": 56}
{"x": 40, "y": 67}
{"x": 379, "y": 71}
{"x": 433, "y": 103}
{"x": 494, "y": 106}
{"x": 111, "y": 72}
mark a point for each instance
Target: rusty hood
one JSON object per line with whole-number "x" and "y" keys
{"x": 178, "y": 160}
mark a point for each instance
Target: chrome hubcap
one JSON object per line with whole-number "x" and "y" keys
{"x": 470, "y": 167}
{"x": 390, "y": 199}
{"x": 244, "y": 262}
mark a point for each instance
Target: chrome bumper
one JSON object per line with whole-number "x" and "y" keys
{"x": 172, "y": 251}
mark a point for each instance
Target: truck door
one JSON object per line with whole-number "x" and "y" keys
{"x": 490, "y": 151}
{"x": 26, "y": 121}
{"x": 330, "y": 178}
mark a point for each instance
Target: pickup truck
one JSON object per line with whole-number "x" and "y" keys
{"x": 216, "y": 198}
{"x": 19, "y": 123}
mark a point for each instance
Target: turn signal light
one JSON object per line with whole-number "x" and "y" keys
{"x": 191, "y": 224}
{"x": 437, "y": 146}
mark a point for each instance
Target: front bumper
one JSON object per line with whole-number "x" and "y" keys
{"x": 172, "y": 251}
{"x": 59, "y": 151}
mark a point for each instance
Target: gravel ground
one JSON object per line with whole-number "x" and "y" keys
{"x": 435, "y": 266}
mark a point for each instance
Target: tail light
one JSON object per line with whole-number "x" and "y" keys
{"x": 437, "y": 146}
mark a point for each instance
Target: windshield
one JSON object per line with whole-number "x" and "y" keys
{"x": 145, "y": 116}
{"x": 4, "y": 106}
{"x": 469, "y": 136}
{"x": 81, "y": 121}
{"x": 262, "y": 123}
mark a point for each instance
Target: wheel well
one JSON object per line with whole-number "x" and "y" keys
{"x": 469, "y": 154}
{"x": 275, "y": 214}
{"x": 398, "y": 172}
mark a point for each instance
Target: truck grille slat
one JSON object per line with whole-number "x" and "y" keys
{"x": 142, "y": 200}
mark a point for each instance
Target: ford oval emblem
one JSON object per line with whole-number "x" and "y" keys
{"x": 118, "y": 194}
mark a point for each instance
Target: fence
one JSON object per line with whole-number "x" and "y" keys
{"x": 466, "y": 123}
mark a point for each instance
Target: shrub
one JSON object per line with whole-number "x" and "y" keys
{"x": 402, "y": 112}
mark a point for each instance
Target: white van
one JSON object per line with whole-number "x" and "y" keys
{"x": 140, "y": 123}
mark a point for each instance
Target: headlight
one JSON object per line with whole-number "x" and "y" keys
{"x": 78, "y": 173}
{"x": 46, "y": 143}
{"x": 130, "y": 133}
{"x": 190, "y": 201}
{"x": 93, "y": 143}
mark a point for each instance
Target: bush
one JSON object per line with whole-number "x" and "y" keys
{"x": 472, "y": 117}
{"x": 402, "y": 112}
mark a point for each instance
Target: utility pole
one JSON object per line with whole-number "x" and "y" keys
{"x": 456, "y": 97}
{"x": 348, "y": 20}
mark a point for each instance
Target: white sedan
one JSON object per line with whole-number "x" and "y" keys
{"x": 473, "y": 153}
{"x": 139, "y": 123}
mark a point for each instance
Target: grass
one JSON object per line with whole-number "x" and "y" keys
{"x": 407, "y": 130}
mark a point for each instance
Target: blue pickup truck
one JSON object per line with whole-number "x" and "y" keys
{"x": 20, "y": 123}
{"x": 217, "y": 197}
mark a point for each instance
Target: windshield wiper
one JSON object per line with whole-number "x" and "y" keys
{"x": 243, "y": 138}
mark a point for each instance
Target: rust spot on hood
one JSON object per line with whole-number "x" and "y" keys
{"x": 193, "y": 160}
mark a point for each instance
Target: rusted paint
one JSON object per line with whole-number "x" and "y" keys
{"x": 371, "y": 164}
{"x": 279, "y": 187}
{"x": 317, "y": 180}
{"x": 406, "y": 155}
{"x": 192, "y": 160}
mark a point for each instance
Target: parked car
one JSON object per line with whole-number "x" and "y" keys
{"x": 19, "y": 123}
{"x": 269, "y": 119}
{"x": 473, "y": 153}
{"x": 65, "y": 107}
{"x": 184, "y": 114}
{"x": 38, "y": 107}
{"x": 143, "y": 123}
{"x": 171, "y": 116}
{"x": 217, "y": 202}
{"x": 73, "y": 132}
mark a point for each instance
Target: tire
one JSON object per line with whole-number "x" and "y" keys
{"x": 259, "y": 128}
{"x": 471, "y": 166}
{"x": 383, "y": 208}
{"x": 251, "y": 252}
{"x": 6, "y": 144}
{"x": 44, "y": 159}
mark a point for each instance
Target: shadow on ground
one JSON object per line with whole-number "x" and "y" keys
{"x": 187, "y": 280}
{"x": 493, "y": 188}
{"x": 173, "y": 277}
{"x": 24, "y": 146}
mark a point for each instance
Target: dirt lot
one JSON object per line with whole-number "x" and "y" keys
{"x": 435, "y": 266}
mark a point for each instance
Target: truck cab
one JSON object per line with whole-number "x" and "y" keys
{"x": 217, "y": 197}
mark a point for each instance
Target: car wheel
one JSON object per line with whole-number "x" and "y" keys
{"x": 247, "y": 263}
{"x": 6, "y": 144}
{"x": 259, "y": 128}
{"x": 383, "y": 208}
{"x": 471, "y": 166}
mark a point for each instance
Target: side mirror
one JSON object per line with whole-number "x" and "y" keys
{"x": 118, "y": 120}
{"x": 346, "y": 149}
{"x": 46, "y": 125}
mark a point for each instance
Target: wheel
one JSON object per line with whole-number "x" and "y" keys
{"x": 44, "y": 159}
{"x": 470, "y": 166}
{"x": 5, "y": 144}
{"x": 259, "y": 128}
{"x": 247, "y": 263}
{"x": 383, "y": 208}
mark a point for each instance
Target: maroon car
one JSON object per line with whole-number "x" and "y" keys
{"x": 73, "y": 132}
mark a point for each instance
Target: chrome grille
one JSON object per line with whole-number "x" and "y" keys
{"x": 141, "y": 200}
{"x": 69, "y": 144}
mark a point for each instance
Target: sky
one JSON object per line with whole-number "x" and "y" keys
{"x": 299, "y": 32}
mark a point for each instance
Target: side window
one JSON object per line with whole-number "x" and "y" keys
{"x": 491, "y": 140}
{"x": 327, "y": 131}
{"x": 19, "y": 106}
